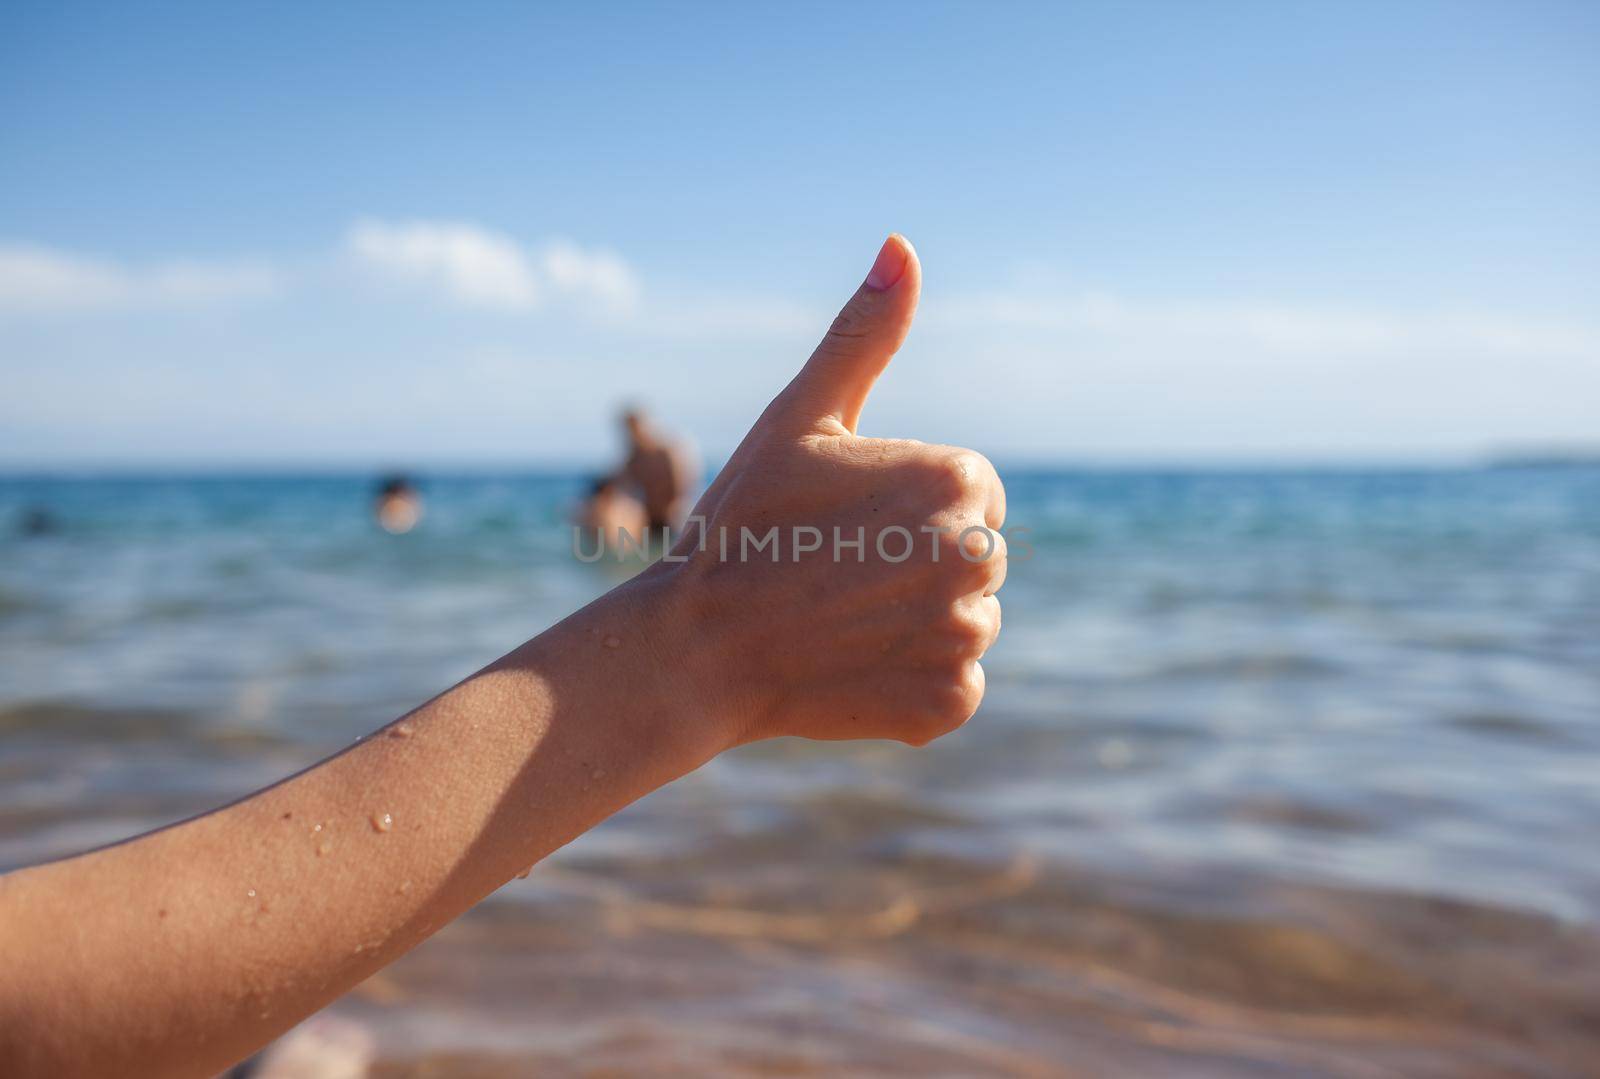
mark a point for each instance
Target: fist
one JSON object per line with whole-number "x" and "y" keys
{"x": 846, "y": 584}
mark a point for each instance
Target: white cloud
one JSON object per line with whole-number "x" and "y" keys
{"x": 479, "y": 268}
{"x": 1054, "y": 368}
{"x": 34, "y": 279}
{"x": 598, "y": 275}
{"x": 475, "y": 267}
{"x": 469, "y": 264}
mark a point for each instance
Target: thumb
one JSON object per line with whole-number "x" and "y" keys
{"x": 836, "y": 380}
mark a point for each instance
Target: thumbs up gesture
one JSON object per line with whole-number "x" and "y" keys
{"x": 848, "y": 583}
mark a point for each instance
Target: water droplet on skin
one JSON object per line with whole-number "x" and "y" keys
{"x": 251, "y": 893}
{"x": 400, "y": 730}
{"x": 613, "y": 642}
{"x": 315, "y": 828}
{"x": 382, "y": 822}
{"x": 323, "y": 849}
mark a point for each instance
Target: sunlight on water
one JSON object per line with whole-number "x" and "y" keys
{"x": 1260, "y": 753}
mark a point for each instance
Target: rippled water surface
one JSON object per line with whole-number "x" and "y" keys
{"x": 1278, "y": 773}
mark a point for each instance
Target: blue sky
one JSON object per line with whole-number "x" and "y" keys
{"x": 362, "y": 233}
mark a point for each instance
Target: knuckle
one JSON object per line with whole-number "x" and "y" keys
{"x": 969, "y": 688}
{"x": 968, "y": 471}
{"x": 952, "y": 477}
{"x": 983, "y": 467}
{"x": 993, "y": 568}
{"x": 977, "y": 549}
{"x": 956, "y": 620}
{"x": 1001, "y": 547}
{"x": 986, "y": 625}
{"x": 848, "y": 327}
{"x": 971, "y": 628}
{"x": 953, "y": 697}
{"x": 960, "y": 693}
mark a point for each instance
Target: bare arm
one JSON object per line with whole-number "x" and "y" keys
{"x": 183, "y": 950}
{"x": 190, "y": 947}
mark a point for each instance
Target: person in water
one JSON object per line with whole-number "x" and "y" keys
{"x": 398, "y": 506}
{"x": 610, "y": 511}
{"x": 37, "y": 521}
{"x": 659, "y": 467}
{"x": 185, "y": 949}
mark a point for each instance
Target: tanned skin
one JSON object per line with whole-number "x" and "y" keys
{"x": 182, "y": 951}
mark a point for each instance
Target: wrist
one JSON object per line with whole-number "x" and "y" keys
{"x": 692, "y": 654}
{"x": 648, "y": 648}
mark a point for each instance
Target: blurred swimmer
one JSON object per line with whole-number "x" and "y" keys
{"x": 611, "y": 511}
{"x": 660, "y": 467}
{"x": 398, "y": 507}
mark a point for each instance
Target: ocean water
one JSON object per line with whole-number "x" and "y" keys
{"x": 1279, "y": 772}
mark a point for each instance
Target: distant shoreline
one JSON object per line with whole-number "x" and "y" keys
{"x": 1546, "y": 461}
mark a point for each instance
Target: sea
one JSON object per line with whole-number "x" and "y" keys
{"x": 1280, "y": 772}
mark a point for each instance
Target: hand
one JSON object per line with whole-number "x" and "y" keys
{"x": 846, "y": 642}
{"x": 267, "y": 909}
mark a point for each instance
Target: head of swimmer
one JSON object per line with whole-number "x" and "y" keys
{"x": 398, "y": 505}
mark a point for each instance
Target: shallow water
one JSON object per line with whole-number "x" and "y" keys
{"x": 1278, "y": 773}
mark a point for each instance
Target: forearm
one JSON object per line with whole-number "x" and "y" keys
{"x": 186, "y": 948}
{"x": 181, "y": 951}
